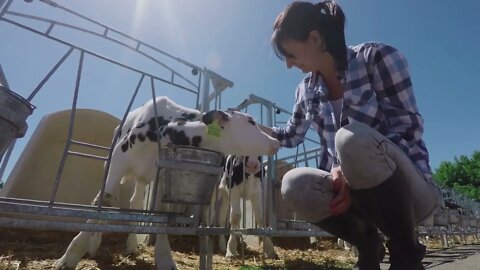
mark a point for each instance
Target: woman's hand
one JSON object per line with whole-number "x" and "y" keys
{"x": 341, "y": 200}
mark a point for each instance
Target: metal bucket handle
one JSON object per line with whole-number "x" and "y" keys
{"x": 189, "y": 166}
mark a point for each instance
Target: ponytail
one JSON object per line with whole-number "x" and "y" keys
{"x": 334, "y": 31}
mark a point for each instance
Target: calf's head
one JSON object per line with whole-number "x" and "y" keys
{"x": 233, "y": 132}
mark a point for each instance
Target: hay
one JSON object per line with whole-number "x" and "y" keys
{"x": 38, "y": 250}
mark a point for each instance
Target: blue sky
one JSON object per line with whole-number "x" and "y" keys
{"x": 439, "y": 38}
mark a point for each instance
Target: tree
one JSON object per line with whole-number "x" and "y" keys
{"x": 463, "y": 175}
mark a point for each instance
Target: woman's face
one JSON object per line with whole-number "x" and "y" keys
{"x": 308, "y": 55}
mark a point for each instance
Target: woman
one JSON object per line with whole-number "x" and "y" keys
{"x": 374, "y": 169}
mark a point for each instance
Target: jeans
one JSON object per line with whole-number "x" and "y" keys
{"x": 367, "y": 159}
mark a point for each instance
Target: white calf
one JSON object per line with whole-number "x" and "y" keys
{"x": 242, "y": 184}
{"x": 134, "y": 156}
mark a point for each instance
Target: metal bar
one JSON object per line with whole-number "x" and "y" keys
{"x": 93, "y": 227}
{"x": 91, "y": 145}
{"x": 75, "y": 206}
{"x": 271, "y": 205}
{"x": 204, "y": 243}
{"x": 293, "y": 156}
{"x": 200, "y": 77}
{"x": 159, "y": 145}
{"x": 256, "y": 99}
{"x": 49, "y": 2}
{"x": 5, "y": 8}
{"x": 86, "y": 155}
{"x": 215, "y": 102}
{"x": 152, "y": 195}
{"x": 209, "y": 259}
{"x": 49, "y": 30}
{"x": 70, "y": 130}
{"x": 305, "y": 154}
{"x": 99, "y": 56}
{"x": 129, "y": 47}
{"x": 189, "y": 166}
{"x": 205, "y": 91}
{"x": 297, "y": 161}
{"x": 296, "y": 225}
{"x": 115, "y": 139}
{"x": 108, "y": 214}
{"x": 110, "y": 29}
{"x": 49, "y": 74}
{"x": 279, "y": 232}
{"x": 32, "y": 17}
{"x": 244, "y": 187}
{"x": 167, "y": 54}
{"x": 288, "y": 229}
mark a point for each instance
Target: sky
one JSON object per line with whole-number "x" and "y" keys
{"x": 231, "y": 37}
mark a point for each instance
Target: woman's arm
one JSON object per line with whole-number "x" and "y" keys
{"x": 297, "y": 126}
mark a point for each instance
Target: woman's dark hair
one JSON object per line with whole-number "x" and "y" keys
{"x": 298, "y": 19}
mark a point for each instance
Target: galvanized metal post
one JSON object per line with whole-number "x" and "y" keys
{"x": 206, "y": 252}
{"x": 205, "y": 91}
{"x": 2, "y": 3}
{"x": 272, "y": 219}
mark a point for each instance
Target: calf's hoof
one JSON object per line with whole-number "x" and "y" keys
{"x": 108, "y": 200}
{"x": 166, "y": 266}
{"x": 64, "y": 264}
{"x": 132, "y": 244}
{"x": 230, "y": 255}
{"x": 273, "y": 256}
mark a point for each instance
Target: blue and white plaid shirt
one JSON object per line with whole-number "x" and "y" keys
{"x": 377, "y": 91}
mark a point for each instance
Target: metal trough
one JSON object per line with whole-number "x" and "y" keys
{"x": 14, "y": 110}
{"x": 188, "y": 175}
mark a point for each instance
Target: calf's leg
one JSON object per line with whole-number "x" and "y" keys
{"x": 235, "y": 215}
{"x": 256, "y": 200}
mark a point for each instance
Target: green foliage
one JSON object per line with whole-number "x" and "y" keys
{"x": 463, "y": 175}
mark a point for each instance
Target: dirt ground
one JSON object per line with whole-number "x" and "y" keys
{"x": 35, "y": 250}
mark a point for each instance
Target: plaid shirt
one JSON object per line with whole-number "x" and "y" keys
{"x": 377, "y": 92}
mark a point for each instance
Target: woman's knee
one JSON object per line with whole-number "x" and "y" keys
{"x": 363, "y": 155}
{"x": 308, "y": 191}
{"x": 292, "y": 184}
{"x": 353, "y": 138}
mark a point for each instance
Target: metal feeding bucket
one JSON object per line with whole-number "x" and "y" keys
{"x": 188, "y": 175}
{"x": 14, "y": 110}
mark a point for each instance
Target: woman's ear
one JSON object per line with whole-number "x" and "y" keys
{"x": 317, "y": 39}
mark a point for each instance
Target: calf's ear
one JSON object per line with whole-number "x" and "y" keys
{"x": 220, "y": 116}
